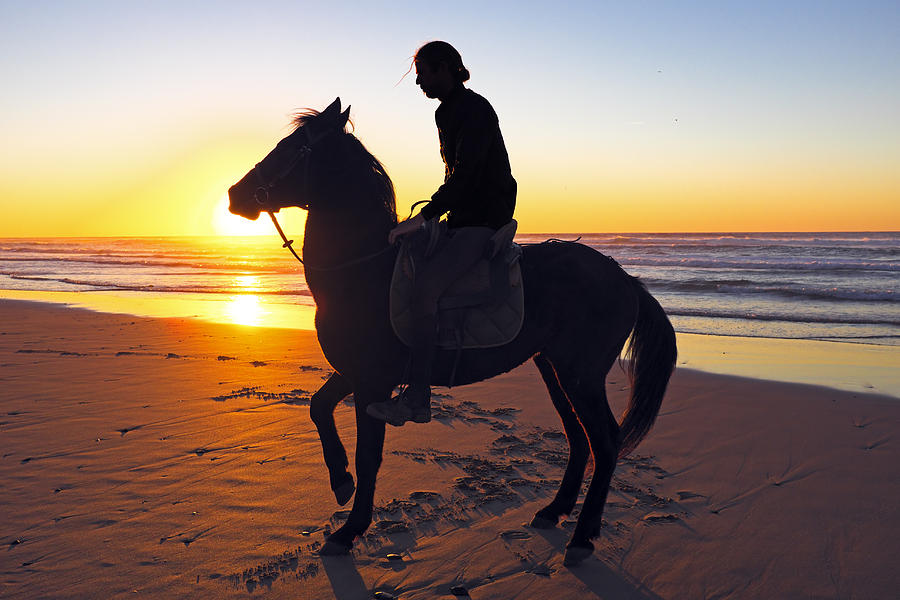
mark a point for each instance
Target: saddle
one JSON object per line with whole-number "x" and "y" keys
{"x": 483, "y": 309}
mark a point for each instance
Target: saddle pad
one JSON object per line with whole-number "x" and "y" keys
{"x": 494, "y": 323}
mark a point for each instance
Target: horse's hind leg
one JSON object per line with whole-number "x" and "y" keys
{"x": 586, "y": 389}
{"x": 321, "y": 410}
{"x": 567, "y": 495}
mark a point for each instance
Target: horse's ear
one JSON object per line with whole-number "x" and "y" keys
{"x": 333, "y": 109}
{"x": 342, "y": 119}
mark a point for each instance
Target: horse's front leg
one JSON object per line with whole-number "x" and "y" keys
{"x": 369, "y": 448}
{"x": 321, "y": 410}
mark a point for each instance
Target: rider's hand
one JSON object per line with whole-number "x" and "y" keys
{"x": 406, "y": 227}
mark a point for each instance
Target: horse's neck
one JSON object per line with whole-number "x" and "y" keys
{"x": 334, "y": 238}
{"x": 345, "y": 265}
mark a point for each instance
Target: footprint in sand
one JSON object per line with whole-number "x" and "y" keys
{"x": 424, "y": 495}
{"x": 515, "y": 534}
{"x": 685, "y": 495}
{"x": 658, "y": 517}
{"x": 876, "y": 444}
{"x": 390, "y": 526}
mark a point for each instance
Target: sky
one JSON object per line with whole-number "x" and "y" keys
{"x": 134, "y": 118}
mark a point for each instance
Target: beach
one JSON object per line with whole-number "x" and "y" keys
{"x": 174, "y": 457}
{"x": 172, "y": 174}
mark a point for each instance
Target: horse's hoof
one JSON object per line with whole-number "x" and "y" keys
{"x": 334, "y": 549}
{"x": 539, "y": 522}
{"x": 576, "y": 554}
{"x": 344, "y": 492}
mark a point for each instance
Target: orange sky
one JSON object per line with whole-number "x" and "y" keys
{"x": 614, "y": 121}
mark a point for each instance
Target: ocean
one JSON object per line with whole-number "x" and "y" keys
{"x": 816, "y": 286}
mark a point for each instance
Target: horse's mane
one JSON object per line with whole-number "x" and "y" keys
{"x": 358, "y": 160}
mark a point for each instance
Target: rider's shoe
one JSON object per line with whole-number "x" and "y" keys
{"x": 413, "y": 404}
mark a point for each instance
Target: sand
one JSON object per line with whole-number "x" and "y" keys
{"x": 172, "y": 458}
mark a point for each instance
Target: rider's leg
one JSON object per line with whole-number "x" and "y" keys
{"x": 417, "y": 395}
{"x": 464, "y": 248}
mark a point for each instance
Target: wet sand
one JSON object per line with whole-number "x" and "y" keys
{"x": 846, "y": 366}
{"x": 173, "y": 458}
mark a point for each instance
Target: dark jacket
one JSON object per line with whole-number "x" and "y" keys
{"x": 478, "y": 188}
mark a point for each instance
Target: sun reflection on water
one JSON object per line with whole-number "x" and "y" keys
{"x": 247, "y": 283}
{"x": 245, "y": 309}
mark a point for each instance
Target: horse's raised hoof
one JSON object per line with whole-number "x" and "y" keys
{"x": 542, "y": 521}
{"x": 344, "y": 492}
{"x": 330, "y": 548}
{"x": 576, "y": 554}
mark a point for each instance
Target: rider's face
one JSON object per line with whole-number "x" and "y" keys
{"x": 435, "y": 83}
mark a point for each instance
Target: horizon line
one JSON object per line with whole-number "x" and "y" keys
{"x": 262, "y": 235}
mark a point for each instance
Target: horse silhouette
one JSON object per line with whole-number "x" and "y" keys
{"x": 580, "y": 310}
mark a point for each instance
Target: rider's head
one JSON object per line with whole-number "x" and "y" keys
{"x": 439, "y": 69}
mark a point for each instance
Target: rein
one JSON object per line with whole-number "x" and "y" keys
{"x": 289, "y": 245}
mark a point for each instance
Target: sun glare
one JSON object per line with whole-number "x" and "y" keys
{"x": 245, "y": 309}
{"x": 226, "y": 223}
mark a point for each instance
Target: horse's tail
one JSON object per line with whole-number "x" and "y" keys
{"x": 652, "y": 353}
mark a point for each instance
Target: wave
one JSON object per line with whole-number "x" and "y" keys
{"x": 745, "y": 286}
{"x": 885, "y": 254}
{"x": 872, "y": 340}
{"x": 720, "y": 240}
{"x": 764, "y": 264}
{"x": 155, "y": 288}
{"x": 787, "y": 318}
{"x": 228, "y": 264}
{"x": 282, "y": 264}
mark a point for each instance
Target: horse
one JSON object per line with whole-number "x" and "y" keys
{"x": 581, "y": 308}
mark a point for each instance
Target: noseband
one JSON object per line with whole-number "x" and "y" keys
{"x": 261, "y": 193}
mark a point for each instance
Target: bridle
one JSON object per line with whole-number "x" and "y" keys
{"x": 261, "y": 197}
{"x": 261, "y": 193}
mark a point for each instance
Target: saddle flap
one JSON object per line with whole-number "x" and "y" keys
{"x": 483, "y": 309}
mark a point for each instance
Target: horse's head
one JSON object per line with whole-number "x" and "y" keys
{"x": 283, "y": 177}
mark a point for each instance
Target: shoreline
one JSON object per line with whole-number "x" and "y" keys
{"x": 854, "y": 367}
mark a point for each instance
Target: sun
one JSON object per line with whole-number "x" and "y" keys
{"x": 225, "y": 223}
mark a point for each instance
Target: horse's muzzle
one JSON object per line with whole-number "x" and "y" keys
{"x": 248, "y": 209}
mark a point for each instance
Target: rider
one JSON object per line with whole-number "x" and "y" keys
{"x": 479, "y": 195}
